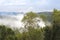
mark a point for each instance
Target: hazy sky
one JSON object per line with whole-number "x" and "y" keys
{"x": 29, "y": 5}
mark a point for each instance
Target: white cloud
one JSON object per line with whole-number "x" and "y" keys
{"x": 12, "y": 2}
{"x": 42, "y": 2}
{"x": 23, "y": 5}
{"x": 23, "y": 2}
{"x": 29, "y": 9}
{"x": 12, "y": 22}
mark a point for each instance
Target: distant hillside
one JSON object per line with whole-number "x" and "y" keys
{"x": 11, "y": 13}
{"x": 47, "y": 14}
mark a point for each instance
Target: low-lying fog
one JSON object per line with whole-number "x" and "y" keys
{"x": 14, "y": 20}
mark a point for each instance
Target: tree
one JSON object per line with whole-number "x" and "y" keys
{"x": 45, "y": 19}
{"x": 56, "y": 25}
{"x": 30, "y": 19}
{"x": 6, "y": 33}
{"x": 33, "y": 31}
{"x": 48, "y": 33}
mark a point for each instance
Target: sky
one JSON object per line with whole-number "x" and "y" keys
{"x": 29, "y": 5}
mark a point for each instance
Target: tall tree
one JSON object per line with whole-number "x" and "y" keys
{"x": 56, "y": 25}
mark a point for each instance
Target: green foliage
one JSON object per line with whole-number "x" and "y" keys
{"x": 56, "y": 25}
{"x": 56, "y": 17}
{"x": 54, "y": 33}
{"x": 48, "y": 33}
{"x": 44, "y": 17}
{"x": 33, "y": 34}
{"x": 30, "y": 19}
{"x": 29, "y": 15}
{"x": 48, "y": 15}
{"x": 6, "y": 33}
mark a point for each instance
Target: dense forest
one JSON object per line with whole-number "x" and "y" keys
{"x": 31, "y": 30}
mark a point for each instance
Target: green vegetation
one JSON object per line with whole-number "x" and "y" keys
{"x": 6, "y": 33}
{"x": 31, "y": 30}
